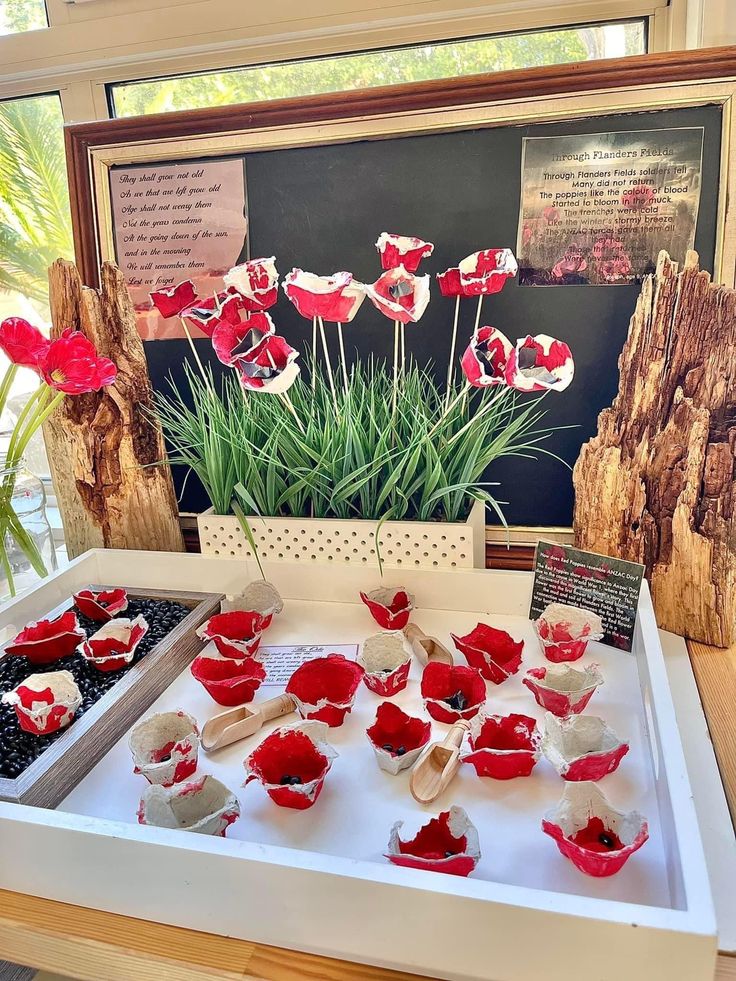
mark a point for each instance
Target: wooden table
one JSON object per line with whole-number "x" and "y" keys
{"x": 92, "y": 946}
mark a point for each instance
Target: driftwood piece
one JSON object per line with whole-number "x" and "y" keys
{"x": 101, "y": 446}
{"x": 656, "y": 485}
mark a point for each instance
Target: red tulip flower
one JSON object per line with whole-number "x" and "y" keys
{"x": 484, "y": 360}
{"x": 400, "y": 295}
{"x": 23, "y": 344}
{"x": 172, "y": 300}
{"x": 402, "y": 250}
{"x": 73, "y": 366}
{"x": 233, "y": 341}
{"x": 540, "y": 364}
{"x": 335, "y": 298}
{"x": 256, "y": 282}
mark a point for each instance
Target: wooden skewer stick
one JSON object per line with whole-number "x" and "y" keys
{"x": 342, "y": 358}
{"x": 451, "y": 364}
{"x": 327, "y": 359}
{"x": 314, "y": 353}
{"x": 403, "y": 348}
{"x": 396, "y": 366}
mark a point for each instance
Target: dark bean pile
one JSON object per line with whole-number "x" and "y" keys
{"x": 19, "y": 749}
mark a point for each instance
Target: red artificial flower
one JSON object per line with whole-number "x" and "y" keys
{"x": 73, "y": 366}
{"x": 402, "y": 250}
{"x": 335, "y": 298}
{"x": 397, "y": 738}
{"x": 484, "y": 360}
{"x": 452, "y": 692}
{"x": 233, "y": 340}
{"x": 256, "y": 281}
{"x": 478, "y": 274}
{"x": 572, "y": 263}
{"x": 324, "y": 688}
{"x": 612, "y": 261}
{"x": 114, "y": 645}
{"x": 171, "y": 300}
{"x": 563, "y": 690}
{"x": 292, "y": 764}
{"x": 493, "y": 652}
{"x": 400, "y": 295}
{"x": 503, "y": 746}
{"x": 23, "y": 344}
{"x": 102, "y": 606}
{"x": 448, "y": 843}
{"x": 582, "y": 747}
{"x": 390, "y": 607}
{"x": 540, "y": 364}
{"x": 47, "y": 640}
{"x": 228, "y": 680}
{"x": 45, "y": 703}
{"x": 236, "y": 634}
{"x": 594, "y": 836}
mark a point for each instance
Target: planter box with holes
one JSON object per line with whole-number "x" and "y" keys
{"x": 317, "y": 880}
{"x": 403, "y": 544}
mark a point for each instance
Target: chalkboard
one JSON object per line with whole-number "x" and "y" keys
{"x": 322, "y": 208}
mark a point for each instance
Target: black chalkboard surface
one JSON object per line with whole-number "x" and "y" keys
{"x": 322, "y": 208}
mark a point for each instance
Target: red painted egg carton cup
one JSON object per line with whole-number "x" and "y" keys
{"x": 386, "y": 662}
{"x": 503, "y": 746}
{"x": 324, "y": 688}
{"x": 397, "y": 738}
{"x": 46, "y": 641}
{"x": 564, "y": 631}
{"x": 493, "y": 652}
{"x": 165, "y": 747}
{"x": 291, "y": 763}
{"x": 258, "y": 596}
{"x": 204, "y": 806}
{"x": 228, "y": 680}
{"x": 561, "y": 689}
{"x": 45, "y": 703}
{"x": 447, "y": 843}
{"x": 236, "y": 634}
{"x": 390, "y": 606}
{"x": 582, "y": 747}
{"x": 113, "y": 646}
{"x": 452, "y": 692}
{"x": 103, "y": 605}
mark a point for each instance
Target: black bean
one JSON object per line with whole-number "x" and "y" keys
{"x": 388, "y": 747}
{"x": 400, "y": 751}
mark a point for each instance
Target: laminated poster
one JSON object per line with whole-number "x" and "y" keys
{"x": 597, "y": 209}
{"x": 606, "y": 586}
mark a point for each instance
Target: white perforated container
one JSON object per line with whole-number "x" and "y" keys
{"x": 403, "y": 544}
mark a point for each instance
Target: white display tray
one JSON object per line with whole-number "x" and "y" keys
{"x": 316, "y": 880}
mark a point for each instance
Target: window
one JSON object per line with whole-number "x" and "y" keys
{"x": 372, "y": 68}
{"x": 22, "y": 15}
{"x": 35, "y": 229}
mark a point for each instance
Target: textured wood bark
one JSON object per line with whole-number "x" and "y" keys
{"x": 102, "y": 446}
{"x": 656, "y": 485}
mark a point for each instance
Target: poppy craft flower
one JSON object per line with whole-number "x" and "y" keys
{"x": 171, "y": 300}
{"x": 402, "y": 250}
{"x": 564, "y": 631}
{"x": 503, "y": 746}
{"x": 485, "y": 358}
{"x": 336, "y": 298}
{"x": 400, "y": 295}
{"x": 269, "y": 366}
{"x": 256, "y": 282}
{"x": 493, "y": 652}
{"x": 46, "y": 641}
{"x": 540, "y": 364}
{"x": 45, "y": 703}
{"x": 73, "y": 366}
{"x": 324, "y": 688}
{"x": 23, "y": 344}
{"x": 386, "y": 662}
{"x": 390, "y": 607}
{"x": 114, "y": 645}
{"x": 165, "y": 747}
{"x": 292, "y": 763}
{"x": 236, "y": 634}
{"x": 207, "y": 314}
{"x": 103, "y": 605}
{"x": 447, "y": 843}
{"x": 233, "y": 340}
{"x": 561, "y": 689}
{"x": 397, "y": 738}
{"x": 204, "y": 806}
{"x": 228, "y": 680}
{"x": 582, "y": 747}
{"x": 479, "y": 274}
{"x": 452, "y": 692}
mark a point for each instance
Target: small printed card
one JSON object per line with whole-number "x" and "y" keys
{"x": 606, "y": 586}
{"x": 281, "y": 662}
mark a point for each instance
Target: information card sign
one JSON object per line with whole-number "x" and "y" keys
{"x": 281, "y": 662}
{"x": 597, "y": 209}
{"x": 604, "y": 585}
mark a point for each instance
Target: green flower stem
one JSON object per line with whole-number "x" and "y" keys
{"x": 5, "y": 563}
{"x": 37, "y": 420}
{"x": 28, "y": 410}
{"x": 6, "y": 384}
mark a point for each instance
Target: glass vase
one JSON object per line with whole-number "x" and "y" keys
{"x": 27, "y": 552}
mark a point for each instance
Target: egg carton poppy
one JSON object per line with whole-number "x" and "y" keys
{"x": 310, "y": 849}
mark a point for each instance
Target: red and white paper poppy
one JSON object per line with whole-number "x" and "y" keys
{"x": 447, "y": 843}
{"x": 45, "y": 703}
{"x": 503, "y": 746}
{"x": 292, "y": 763}
{"x": 400, "y": 295}
{"x": 258, "y": 596}
{"x": 582, "y": 747}
{"x": 561, "y": 689}
{"x": 229, "y": 680}
{"x": 390, "y": 606}
{"x": 46, "y": 641}
{"x": 324, "y": 688}
{"x": 493, "y": 652}
{"x": 485, "y": 358}
{"x": 397, "y": 738}
{"x": 103, "y": 605}
{"x": 336, "y": 298}
{"x": 452, "y": 692}
{"x": 236, "y": 634}
{"x": 165, "y": 747}
{"x": 402, "y": 250}
{"x": 256, "y": 281}
{"x": 204, "y": 806}
{"x": 540, "y": 364}
{"x": 386, "y": 662}
{"x": 171, "y": 300}
{"x": 565, "y": 631}
{"x": 234, "y": 339}
{"x": 479, "y": 273}
{"x": 592, "y": 834}
{"x": 270, "y": 366}
{"x": 114, "y": 645}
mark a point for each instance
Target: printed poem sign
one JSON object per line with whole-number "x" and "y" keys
{"x": 597, "y": 209}
{"x": 281, "y": 662}
{"x": 606, "y": 586}
{"x": 177, "y": 221}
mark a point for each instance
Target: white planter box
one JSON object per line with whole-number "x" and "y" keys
{"x": 317, "y": 881}
{"x": 403, "y": 544}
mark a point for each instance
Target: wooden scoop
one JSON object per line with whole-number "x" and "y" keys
{"x": 426, "y": 648}
{"x": 437, "y": 765}
{"x": 238, "y": 723}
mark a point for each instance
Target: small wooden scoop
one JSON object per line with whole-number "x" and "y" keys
{"x": 238, "y": 723}
{"x": 437, "y": 765}
{"x": 426, "y": 648}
